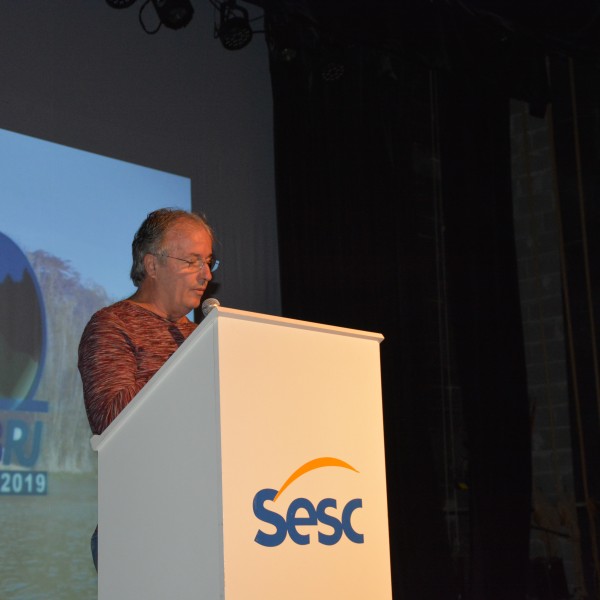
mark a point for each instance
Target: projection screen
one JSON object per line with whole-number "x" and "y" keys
{"x": 66, "y": 224}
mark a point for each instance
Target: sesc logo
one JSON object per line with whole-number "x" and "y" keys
{"x": 302, "y": 512}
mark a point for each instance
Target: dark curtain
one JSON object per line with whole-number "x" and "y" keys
{"x": 576, "y": 129}
{"x": 365, "y": 225}
{"x": 485, "y": 312}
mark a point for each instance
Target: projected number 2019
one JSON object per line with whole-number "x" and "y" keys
{"x": 23, "y": 483}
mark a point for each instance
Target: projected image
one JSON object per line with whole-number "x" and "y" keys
{"x": 66, "y": 224}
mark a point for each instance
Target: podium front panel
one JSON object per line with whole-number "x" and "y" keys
{"x": 302, "y": 406}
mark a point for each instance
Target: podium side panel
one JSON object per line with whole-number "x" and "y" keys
{"x": 159, "y": 499}
{"x": 291, "y": 396}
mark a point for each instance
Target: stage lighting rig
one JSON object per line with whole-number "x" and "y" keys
{"x": 232, "y": 23}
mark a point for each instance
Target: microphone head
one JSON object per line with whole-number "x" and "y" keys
{"x": 208, "y": 305}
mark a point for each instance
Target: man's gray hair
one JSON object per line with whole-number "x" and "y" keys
{"x": 150, "y": 235}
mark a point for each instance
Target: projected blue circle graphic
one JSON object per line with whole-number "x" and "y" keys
{"x": 22, "y": 327}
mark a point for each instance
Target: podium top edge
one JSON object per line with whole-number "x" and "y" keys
{"x": 283, "y": 321}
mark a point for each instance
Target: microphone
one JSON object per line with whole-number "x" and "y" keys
{"x": 208, "y": 305}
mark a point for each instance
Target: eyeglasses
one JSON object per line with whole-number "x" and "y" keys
{"x": 196, "y": 265}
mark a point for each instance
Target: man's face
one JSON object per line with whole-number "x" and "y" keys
{"x": 177, "y": 288}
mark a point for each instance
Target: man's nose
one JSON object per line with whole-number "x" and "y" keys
{"x": 205, "y": 272}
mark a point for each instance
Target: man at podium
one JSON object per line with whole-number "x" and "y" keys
{"x": 125, "y": 344}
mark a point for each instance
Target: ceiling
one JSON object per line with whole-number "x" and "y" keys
{"x": 563, "y": 27}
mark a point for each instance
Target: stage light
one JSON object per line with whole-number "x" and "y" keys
{"x": 174, "y": 14}
{"x": 332, "y": 68}
{"x": 120, "y": 3}
{"x": 234, "y": 29}
{"x": 332, "y": 64}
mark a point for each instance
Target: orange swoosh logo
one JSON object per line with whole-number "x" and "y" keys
{"x": 317, "y": 463}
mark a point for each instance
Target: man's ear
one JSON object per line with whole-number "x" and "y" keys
{"x": 150, "y": 265}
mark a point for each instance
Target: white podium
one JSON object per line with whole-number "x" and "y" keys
{"x": 251, "y": 466}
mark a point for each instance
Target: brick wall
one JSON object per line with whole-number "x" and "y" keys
{"x": 554, "y": 533}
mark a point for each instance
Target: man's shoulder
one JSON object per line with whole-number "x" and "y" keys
{"x": 114, "y": 312}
